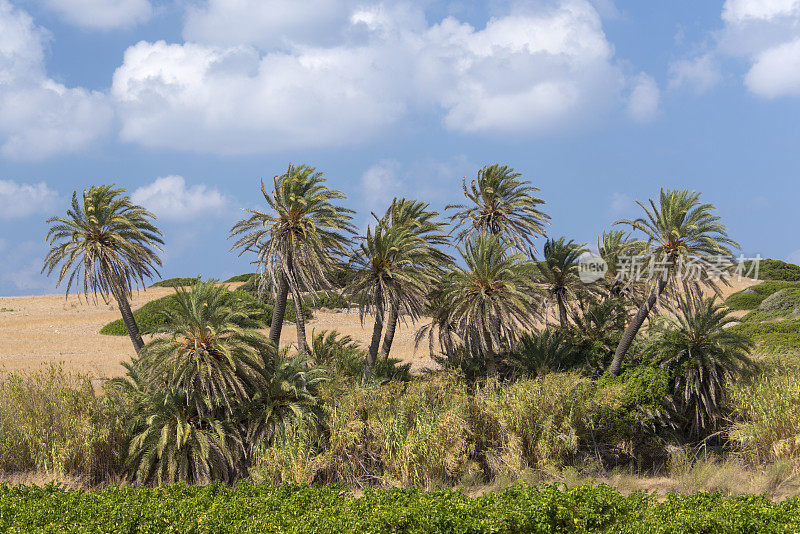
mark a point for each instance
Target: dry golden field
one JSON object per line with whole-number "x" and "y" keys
{"x": 53, "y": 329}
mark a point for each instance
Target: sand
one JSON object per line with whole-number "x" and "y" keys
{"x": 42, "y": 330}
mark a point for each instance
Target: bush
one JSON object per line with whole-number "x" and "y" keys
{"x": 766, "y": 414}
{"x": 150, "y": 316}
{"x": 776, "y": 270}
{"x": 344, "y": 357}
{"x": 241, "y": 278}
{"x": 301, "y": 508}
{"x": 751, "y": 298}
{"x": 51, "y": 421}
{"x": 744, "y": 301}
{"x": 779, "y": 336}
{"x": 176, "y": 282}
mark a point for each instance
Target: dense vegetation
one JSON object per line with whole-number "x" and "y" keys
{"x": 176, "y": 282}
{"x": 541, "y": 371}
{"x": 297, "y": 508}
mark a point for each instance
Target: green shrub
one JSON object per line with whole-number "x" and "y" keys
{"x": 778, "y": 336}
{"x": 301, "y": 508}
{"x": 51, "y": 421}
{"x": 149, "y": 316}
{"x": 176, "y": 282}
{"x": 326, "y": 299}
{"x": 744, "y": 301}
{"x": 241, "y": 278}
{"x": 776, "y": 270}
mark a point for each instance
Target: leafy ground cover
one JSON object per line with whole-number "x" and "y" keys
{"x": 300, "y": 508}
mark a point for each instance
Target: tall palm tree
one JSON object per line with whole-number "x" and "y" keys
{"x": 679, "y": 231}
{"x": 490, "y": 300}
{"x": 422, "y": 222}
{"x": 105, "y": 245}
{"x": 208, "y": 345}
{"x": 501, "y": 203}
{"x": 703, "y": 354}
{"x": 559, "y": 272}
{"x": 393, "y": 265}
{"x": 299, "y": 240}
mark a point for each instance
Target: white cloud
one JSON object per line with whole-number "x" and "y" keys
{"x": 266, "y": 76}
{"x": 170, "y": 198}
{"x": 620, "y": 204}
{"x": 265, "y": 23}
{"x": 20, "y": 271}
{"x": 38, "y": 116}
{"x": 379, "y": 185}
{"x": 776, "y": 71}
{"x": 643, "y": 102}
{"x": 794, "y": 257}
{"x": 766, "y": 33}
{"x": 102, "y": 14}
{"x": 700, "y": 74}
{"x": 19, "y": 200}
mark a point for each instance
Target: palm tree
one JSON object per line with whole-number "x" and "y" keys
{"x": 703, "y": 354}
{"x": 501, "y": 204}
{"x": 614, "y": 247}
{"x": 298, "y": 241}
{"x": 538, "y": 353}
{"x": 679, "y": 231}
{"x": 559, "y": 272}
{"x": 393, "y": 265}
{"x": 172, "y": 442}
{"x": 109, "y": 244}
{"x": 422, "y": 222}
{"x": 209, "y": 346}
{"x": 490, "y": 300}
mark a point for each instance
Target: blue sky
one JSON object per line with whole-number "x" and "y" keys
{"x": 187, "y": 104}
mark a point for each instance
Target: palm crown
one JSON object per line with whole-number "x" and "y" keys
{"x": 105, "y": 244}
{"x": 559, "y": 271}
{"x": 502, "y": 204}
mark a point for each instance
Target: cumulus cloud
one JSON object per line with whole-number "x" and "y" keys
{"x": 169, "y": 198}
{"x": 102, "y": 14}
{"x": 643, "y": 102}
{"x": 699, "y": 74}
{"x": 766, "y": 33}
{"x": 18, "y": 200}
{"x": 38, "y": 116}
{"x": 267, "y": 76}
{"x": 266, "y": 23}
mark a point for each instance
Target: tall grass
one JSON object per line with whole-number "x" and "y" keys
{"x": 52, "y": 422}
{"x": 766, "y": 411}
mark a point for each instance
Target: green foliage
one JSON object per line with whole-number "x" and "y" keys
{"x": 344, "y": 357}
{"x": 176, "y": 282}
{"x": 538, "y": 353}
{"x": 775, "y": 270}
{"x": 778, "y": 336}
{"x": 53, "y": 422}
{"x": 744, "y": 301}
{"x": 302, "y": 508}
{"x": 151, "y": 316}
{"x": 148, "y": 317}
{"x": 241, "y": 278}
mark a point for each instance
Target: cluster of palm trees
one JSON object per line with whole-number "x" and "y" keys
{"x": 208, "y": 371}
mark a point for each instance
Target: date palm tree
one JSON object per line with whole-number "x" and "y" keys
{"x": 703, "y": 355}
{"x": 298, "y": 241}
{"x": 559, "y": 272}
{"x": 501, "y": 203}
{"x": 491, "y": 300}
{"x": 422, "y": 222}
{"x": 392, "y": 265}
{"x": 105, "y": 245}
{"x": 208, "y": 345}
{"x": 684, "y": 242}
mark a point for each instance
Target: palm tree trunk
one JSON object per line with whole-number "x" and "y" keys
{"x": 636, "y": 323}
{"x": 299, "y": 320}
{"x": 562, "y": 310}
{"x": 130, "y": 322}
{"x": 391, "y": 326}
{"x": 372, "y": 354}
{"x": 279, "y": 311}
